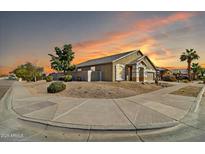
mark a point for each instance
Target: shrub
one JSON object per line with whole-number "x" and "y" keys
{"x": 203, "y": 80}
{"x": 78, "y": 78}
{"x": 68, "y": 78}
{"x": 185, "y": 81}
{"x": 44, "y": 76}
{"x": 61, "y": 78}
{"x": 170, "y": 78}
{"x": 56, "y": 87}
{"x": 49, "y": 78}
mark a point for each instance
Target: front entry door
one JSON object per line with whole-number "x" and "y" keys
{"x": 141, "y": 74}
{"x": 129, "y": 73}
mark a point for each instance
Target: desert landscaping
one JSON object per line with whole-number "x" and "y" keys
{"x": 187, "y": 92}
{"x": 95, "y": 89}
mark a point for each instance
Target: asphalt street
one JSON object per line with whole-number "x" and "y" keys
{"x": 4, "y": 86}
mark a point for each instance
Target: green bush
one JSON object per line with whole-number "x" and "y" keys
{"x": 203, "y": 80}
{"x": 56, "y": 87}
{"x": 185, "y": 81}
{"x": 68, "y": 78}
{"x": 78, "y": 78}
{"x": 49, "y": 78}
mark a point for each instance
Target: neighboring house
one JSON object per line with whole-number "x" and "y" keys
{"x": 162, "y": 72}
{"x": 182, "y": 73}
{"x": 130, "y": 66}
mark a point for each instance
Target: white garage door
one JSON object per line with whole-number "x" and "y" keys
{"x": 120, "y": 72}
{"x": 150, "y": 76}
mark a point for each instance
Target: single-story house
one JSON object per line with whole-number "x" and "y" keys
{"x": 129, "y": 66}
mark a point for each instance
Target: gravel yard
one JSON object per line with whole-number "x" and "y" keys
{"x": 188, "y": 91}
{"x": 95, "y": 89}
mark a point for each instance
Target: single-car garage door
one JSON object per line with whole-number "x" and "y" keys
{"x": 150, "y": 76}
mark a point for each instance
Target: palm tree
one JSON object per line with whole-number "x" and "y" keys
{"x": 189, "y": 56}
{"x": 196, "y": 68}
{"x": 202, "y": 72}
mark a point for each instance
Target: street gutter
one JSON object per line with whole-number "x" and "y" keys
{"x": 199, "y": 98}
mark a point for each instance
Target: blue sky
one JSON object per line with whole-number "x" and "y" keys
{"x": 30, "y": 36}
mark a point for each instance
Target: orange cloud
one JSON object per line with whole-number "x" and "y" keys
{"x": 157, "y": 22}
{"x": 115, "y": 42}
{"x": 42, "y": 62}
{"x": 172, "y": 67}
{"x": 4, "y": 70}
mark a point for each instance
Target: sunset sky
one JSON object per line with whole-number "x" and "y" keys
{"x": 163, "y": 36}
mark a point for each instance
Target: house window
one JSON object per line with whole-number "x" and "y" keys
{"x": 79, "y": 69}
{"x": 92, "y": 68}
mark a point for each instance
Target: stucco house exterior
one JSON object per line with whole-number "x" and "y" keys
{"x": 126, "y": 66}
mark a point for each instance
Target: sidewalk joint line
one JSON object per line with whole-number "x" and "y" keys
{"x": 75, "y": 107}
{"x": 152, "y": 109}
{"x": 128, "y": 120}
{"x": 89, "y": 134}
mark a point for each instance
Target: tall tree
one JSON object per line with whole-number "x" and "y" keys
{"x": 29, "y": 72}
{"x": 202, "y": 72}
{"x": 189, "y": 56}
{"x": 63, "y": 58}
{"x": 196, "y": 69}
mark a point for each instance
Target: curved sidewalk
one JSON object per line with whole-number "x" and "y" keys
{"x": 157, "y": 109}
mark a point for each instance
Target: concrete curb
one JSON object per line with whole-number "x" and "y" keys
{"x": 198, "y": 98}
{"x": 100, "y": 127}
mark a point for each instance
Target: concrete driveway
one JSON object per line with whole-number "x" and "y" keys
{"x": 158, "y": 109}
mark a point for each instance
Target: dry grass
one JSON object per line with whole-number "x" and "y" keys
{"x": 95, "y": 89}
{"x": 188, "y": 91}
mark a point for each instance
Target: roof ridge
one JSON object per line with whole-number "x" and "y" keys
{"x": 112, "y": 55}
{"x": 107, "y": 57}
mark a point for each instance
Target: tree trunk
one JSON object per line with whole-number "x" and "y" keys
{"x": 64, "y": 72}
{"x": 189, "y": 70}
